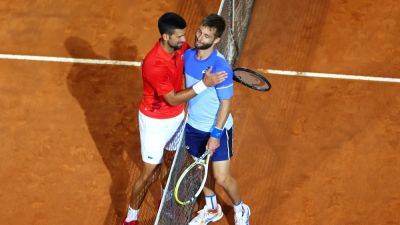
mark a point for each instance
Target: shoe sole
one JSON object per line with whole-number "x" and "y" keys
{"x": 218, "y": 218}
{"x": 215, "y": 219}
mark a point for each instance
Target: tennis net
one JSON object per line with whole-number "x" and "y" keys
{"x": 237, "y": 14}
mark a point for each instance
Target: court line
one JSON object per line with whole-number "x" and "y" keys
{"x": 331, "y": 75}
{"x": 138, "y": 64}
{"x": 70, "y": 60}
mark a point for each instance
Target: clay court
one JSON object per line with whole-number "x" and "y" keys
{"x": 312, "y": 151}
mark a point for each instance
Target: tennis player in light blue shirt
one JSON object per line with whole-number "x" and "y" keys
{"x": 203, "y": 108}
{"x": 210, "y": 122}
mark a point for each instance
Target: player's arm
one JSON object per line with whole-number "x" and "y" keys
{"x": 209, "y": 80}
{"x": 222, "y": 115}
{"x": 224, "y": 93}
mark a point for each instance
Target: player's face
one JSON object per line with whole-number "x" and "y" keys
{"x": 177, "y": 39}
{"x": 205, "y": 37}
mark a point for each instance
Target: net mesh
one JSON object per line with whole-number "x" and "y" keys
{"x": 170, "y": 212}
{"x": 237, "y": 21}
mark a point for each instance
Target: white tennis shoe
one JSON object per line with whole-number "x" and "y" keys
{"x": 206, "y": 216}
{"x": 242, "y": 216}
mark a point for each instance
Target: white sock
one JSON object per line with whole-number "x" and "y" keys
{"x": 132, "y": 214}
{"x": 239, "y": 207}
{"x": 211, "y": 201}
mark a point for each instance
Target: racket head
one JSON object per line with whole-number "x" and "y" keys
{"x": 191, "y": 182}
{"x": 251, "y": 79}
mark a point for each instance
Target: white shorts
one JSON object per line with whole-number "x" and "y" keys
{"x": 154, "y": 134}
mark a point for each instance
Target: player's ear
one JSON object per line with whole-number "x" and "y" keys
{"x": 165, "y": 37}
{"x": 217, "y": 40}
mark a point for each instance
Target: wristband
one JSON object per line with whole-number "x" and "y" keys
{"x": 216, "y": 133}
{"x": 199, "y": 87}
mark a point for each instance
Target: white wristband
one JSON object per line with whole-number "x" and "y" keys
{"x": 199, "y": 87}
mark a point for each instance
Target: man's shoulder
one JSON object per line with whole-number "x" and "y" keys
{"x": 189, "y": 52}
{"x": 220, "y": 62}
{"x": 153, "y": 61}
{"x": 220, "y": 58}
{"x": 155, "y": 56}
{"x": 152, "y": 58}
{"x": 153, "y": 64}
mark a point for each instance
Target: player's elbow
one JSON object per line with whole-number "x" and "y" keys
{"x": 172, "y": 100}
{"x": 226, "y": 103}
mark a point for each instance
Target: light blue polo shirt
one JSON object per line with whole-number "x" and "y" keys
{"x": 203, "y": 108}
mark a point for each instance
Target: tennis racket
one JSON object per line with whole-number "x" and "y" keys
{"x": 251, "y": 79}
{"x": 192, "y": 180}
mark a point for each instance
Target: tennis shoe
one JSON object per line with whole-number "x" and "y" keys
{"x": 206, "y": 215}
{"x": 242, "y": 216}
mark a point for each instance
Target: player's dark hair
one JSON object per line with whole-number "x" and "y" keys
{"x": 170, "y": 21}
{"x": 215, "y": 21}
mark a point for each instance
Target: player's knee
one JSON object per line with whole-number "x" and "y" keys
{"x": 222, "y": 180}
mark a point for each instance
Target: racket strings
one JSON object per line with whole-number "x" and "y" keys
{"x": 250, "y": 79}
{"x": 191, "y": 183}
{"x": 246, "y": 77}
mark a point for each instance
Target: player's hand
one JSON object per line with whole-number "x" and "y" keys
{"x": 211, "y": 79}
{"x": 212, "y": 144}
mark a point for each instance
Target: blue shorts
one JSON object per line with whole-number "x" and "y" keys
{"x": 196, "y": 141}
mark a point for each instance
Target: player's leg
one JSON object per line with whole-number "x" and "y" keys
{"x": 154, "y": 134}
{"x": 196, "y": 141}
{"x": 140, "y": 187}
{"x": 223, "y": 177}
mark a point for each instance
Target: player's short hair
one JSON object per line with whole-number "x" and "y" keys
{"x": 215, "y": 21}
{"x": 170, "y": 21}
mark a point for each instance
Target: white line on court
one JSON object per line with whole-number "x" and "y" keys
{"x": 70, "y": 60}
{"x": 330, "y": 75}
{"x": 137, "y": 64}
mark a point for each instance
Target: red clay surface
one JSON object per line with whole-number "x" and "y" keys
{"x": 309, "y": 152}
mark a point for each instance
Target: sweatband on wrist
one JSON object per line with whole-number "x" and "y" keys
{"x": 216, "y": 133}
{"x": 199, "y": 87}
